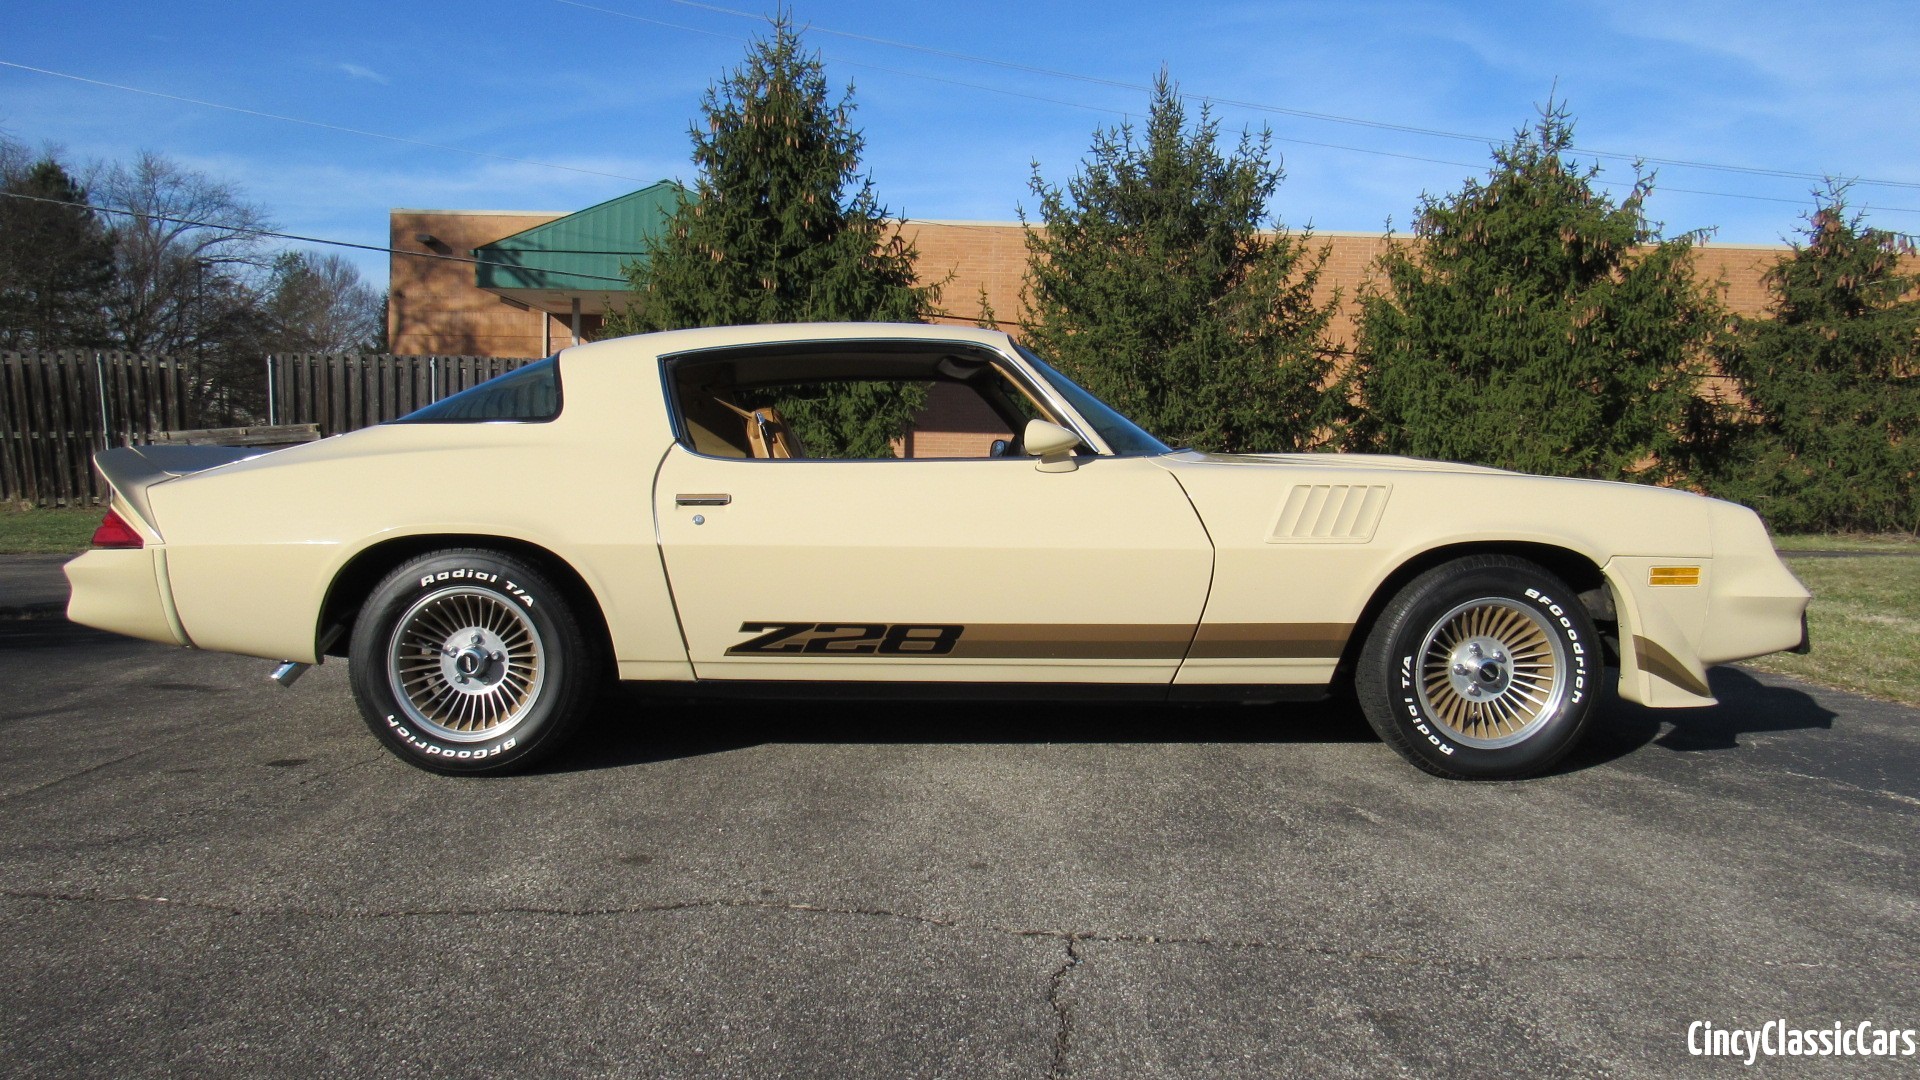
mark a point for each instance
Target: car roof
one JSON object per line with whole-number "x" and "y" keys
{"x": 670, "y": 342}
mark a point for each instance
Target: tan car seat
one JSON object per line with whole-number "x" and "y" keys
{"x": 768, "y": 435}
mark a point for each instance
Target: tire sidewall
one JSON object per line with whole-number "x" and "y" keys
{"x": 1561, "y": 612}
{"x": 373, "y": 636}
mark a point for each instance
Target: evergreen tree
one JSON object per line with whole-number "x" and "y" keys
{"x": 1152, "y": 283}
{"x": 56, "y": 262}
{"x": 1533, "y": 324}
{"x": 1830, "y": 437}
{"x": 783, "y": 227}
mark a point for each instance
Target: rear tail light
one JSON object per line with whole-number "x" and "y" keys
{"x": 114, "y": 532}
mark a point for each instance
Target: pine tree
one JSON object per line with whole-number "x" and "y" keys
{"x": 1830, "y": 436}
{"x": 1533, "y": 324}
{"x": 1152, "y": 282}
{"x": 783, "y": 227}
{"x": 56, "y": 263}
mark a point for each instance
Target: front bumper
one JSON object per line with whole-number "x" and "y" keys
{"x": 1747, "y": 604}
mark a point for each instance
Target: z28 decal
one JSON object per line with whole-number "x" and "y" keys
{"x": 1044, "y": 641}
{"x": 847, "y": 639}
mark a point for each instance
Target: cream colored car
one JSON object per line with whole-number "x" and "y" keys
{"x": 681, "y": 508}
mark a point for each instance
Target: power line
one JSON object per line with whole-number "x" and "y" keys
{"x": 1758, "y": 198}
{"x": 1333, "y": 118}
{"x": 315, "y": 123}
{"x": 992, "y": 89}
{"x": 302, "y": 239}
{"x": 402, "y": 139}
{"x": 261, "y": 114}
{"x": 1192, "y": 97}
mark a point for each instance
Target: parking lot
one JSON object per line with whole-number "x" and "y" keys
{"x": 201, "y": 873}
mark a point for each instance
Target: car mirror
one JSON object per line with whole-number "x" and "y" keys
{"x": 1052, "y": 444}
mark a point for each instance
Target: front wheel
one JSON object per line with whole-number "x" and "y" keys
{"x": 1484, "y": 668}
{"x": 470, "y": 661}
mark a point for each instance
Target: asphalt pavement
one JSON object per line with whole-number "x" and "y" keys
{"x": 203, "y": 874}
{"x": 32, "y": 585}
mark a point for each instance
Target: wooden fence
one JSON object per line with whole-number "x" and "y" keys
{"x": 58, "y": 409}
{"x": 344, "y": 393}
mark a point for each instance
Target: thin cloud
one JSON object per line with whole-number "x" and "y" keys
{"x": 366, "y": 73}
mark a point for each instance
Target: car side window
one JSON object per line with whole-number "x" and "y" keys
{"x": 930, "y": 402}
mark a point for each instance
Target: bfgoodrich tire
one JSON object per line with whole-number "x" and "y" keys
{"x": 1484, "y": 668}
{"x": 469, "y": 661}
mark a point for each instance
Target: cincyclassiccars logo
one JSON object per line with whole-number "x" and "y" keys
{"x": 1775, "y": 1039}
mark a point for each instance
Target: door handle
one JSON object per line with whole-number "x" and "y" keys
{"x": 702, "y": 500}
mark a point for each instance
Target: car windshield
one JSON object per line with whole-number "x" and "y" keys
{"x": 1122, "y": 434}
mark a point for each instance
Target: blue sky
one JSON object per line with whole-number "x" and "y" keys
{"x": 1832, "y": 89}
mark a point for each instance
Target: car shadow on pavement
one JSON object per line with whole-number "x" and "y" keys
{"x": 635, "y": 727}
{"x": 1747, "y": 707}
{"x": 20, "y": 631}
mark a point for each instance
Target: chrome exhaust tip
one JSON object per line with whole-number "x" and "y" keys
{"x": 289, "y": 672}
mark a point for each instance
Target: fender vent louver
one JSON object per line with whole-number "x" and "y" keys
{"x": 1330, "y": 514}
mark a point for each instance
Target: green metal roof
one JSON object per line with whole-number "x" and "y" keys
{"x": 583, "y": 251}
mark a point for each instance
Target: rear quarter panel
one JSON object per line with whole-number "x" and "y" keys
{"x": 254, "y": 547}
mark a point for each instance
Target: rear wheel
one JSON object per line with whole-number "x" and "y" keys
{"x": 1483, "y": 668}
{"x": 470, "y": 661}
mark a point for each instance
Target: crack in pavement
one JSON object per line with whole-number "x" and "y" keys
{"x": 1862, "y": 788}
{"x": 1056, "y": 983}
{"x": 44, "y": 785}
{"x": 1062, "y": 1012}
{"x": 1071, "y": 938}
{"x": 467, "y": 912}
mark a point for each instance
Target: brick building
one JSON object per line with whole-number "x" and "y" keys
{"x": 547, "y": 279}
{"x": 448, "y": 306}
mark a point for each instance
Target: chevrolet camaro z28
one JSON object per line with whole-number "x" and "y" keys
{"x": 679, "y": 508}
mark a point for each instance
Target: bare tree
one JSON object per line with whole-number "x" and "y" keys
{"x": 190, "y": 250}
{"x": 15, "y": 158}
{"x": 318, "y": 303}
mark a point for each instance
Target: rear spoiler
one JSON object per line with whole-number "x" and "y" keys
{"x": 131, "y": 470}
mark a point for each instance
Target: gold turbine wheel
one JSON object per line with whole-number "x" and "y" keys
{"x": 1492, "y": 671}
{"x": 466, "y": 664}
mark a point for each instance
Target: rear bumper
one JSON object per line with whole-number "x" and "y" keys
{"x": 126, "y": 592}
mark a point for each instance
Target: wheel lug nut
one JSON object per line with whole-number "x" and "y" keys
{"x": 1459, "y": 669}
{"x": 476, "y": 639}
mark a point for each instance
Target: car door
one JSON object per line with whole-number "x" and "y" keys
{"x": 974, "y": 570}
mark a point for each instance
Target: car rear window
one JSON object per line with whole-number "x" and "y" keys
{"x": 526, "y": 395}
